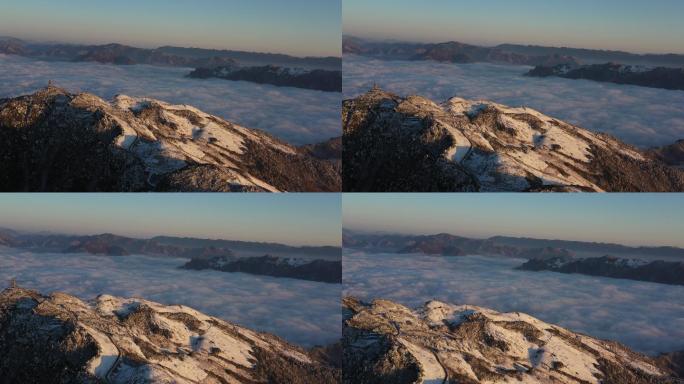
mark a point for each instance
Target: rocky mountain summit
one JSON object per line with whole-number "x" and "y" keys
{"x": 385, "y": 342}
{"x": 62, "y": 339}
{"x": 327, "y": 271}
{"x": 660, "y": 77}
{"x": 659, "y": 271}
{"x": 316, "y": 79}
{"x": 54, "y": 140}
{"x": 394, "y": 143}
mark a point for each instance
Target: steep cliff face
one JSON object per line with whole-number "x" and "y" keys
{"x": 57, "y": 141}
{"x": 61, "y": 339}
{"x": 393, "y": 143}
{"x": 385, "y": 342}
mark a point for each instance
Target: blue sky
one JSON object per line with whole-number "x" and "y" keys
{"x": 634, "y": 219}
{"x": 298, "y": 219}
{"x": 299, "y": 27}
{"x": 633, "y": 25}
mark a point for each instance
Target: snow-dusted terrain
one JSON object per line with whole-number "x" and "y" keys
{"x": 640, "y": 116}
{"x": 647, "y": 317}
{"x": 302, "y": 312}
{"x": 108, "y": 339}
{"x": 442, "y": 342}
{"x": 298, "y": 116}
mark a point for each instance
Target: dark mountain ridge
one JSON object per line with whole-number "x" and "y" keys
{"x": 660, "y": 77}
{"x": 316, "y": 79}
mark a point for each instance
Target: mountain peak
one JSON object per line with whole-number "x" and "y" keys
{"x": 415, "y": 144}
{"x": 142, "y": 144}
{"x": 119, "y": 340}
{"x": 440, "y": 342}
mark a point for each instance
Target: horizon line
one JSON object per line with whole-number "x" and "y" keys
{"x": 155, "y": 46}
{"x": 149, "y": 237}
{"x": 427, "y": 41}
{"x": 486, "y": 237}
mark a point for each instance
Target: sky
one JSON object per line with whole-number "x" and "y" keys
{"x": 631, "y": 25}
{"x": 295, "y": 219}
{"x": 297, "y": 27}
{"x": 630, "y": 219}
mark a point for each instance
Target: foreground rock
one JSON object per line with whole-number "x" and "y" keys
{"x": 326, "y": 271}
{"x": 393, "y": 143}
{"x": 54, "y": 140}
{"x": 316, "y": 79}
{"x": 659, "y": 271}
{"x": 61, "y": 339}
{"x": 660, "y": 77}
{"x": 385, "y": 342}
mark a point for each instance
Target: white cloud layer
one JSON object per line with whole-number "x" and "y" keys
{"x": 648, "y": 317}
{"x": 303, "y": 312}
{"x": 298, "y": 116}
{"x": 640, "y": 116}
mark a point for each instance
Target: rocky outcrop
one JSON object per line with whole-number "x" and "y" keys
{"x": 62, "y": 339}
{"x": 664, "y": 272}
{"x": 385, "y": 342}
{"x": 660, "y": 77}
{"x": 54, "y": 140}
{"x": 326, "y": 271}
{"x": 316, "y": 79}
{"x": 672, "y": 154}
{"x": 393, "y": 143}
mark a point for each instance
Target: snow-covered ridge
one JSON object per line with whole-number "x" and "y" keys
{"x": 148, "y": 144}
{"x": 492, "y": 147}
{"x": 463, "y": 343}
{"x": 139, "y": 341}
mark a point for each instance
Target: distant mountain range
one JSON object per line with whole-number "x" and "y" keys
{"x": 62, "y": 339}
{"x": 386, "y": 342}
{"x": 394, "y": 143}
{"x": 660, "y": 77}
{"x": 54, "y": 140}
{"x": 456, "y": 52}
{"x": 316, "y": 79}
{"x": 620, "y": 261}
{"x": 452, "y": 52}
{"x": 167, "y": 56}
{"x": 322, "y": 264}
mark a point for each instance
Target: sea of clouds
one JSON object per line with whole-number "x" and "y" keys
{"x": 298, "y": 116}
{"x": 641, "y": 116}
{"x": 647, "y": 317}
{"x": 303, "y": 312}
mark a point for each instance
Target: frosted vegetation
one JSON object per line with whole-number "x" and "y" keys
{"x": 647, "y": 317}
{"x": 640, "y": 116}
{"x": 302, "y": 312}
{"x": 295, "y": 115}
